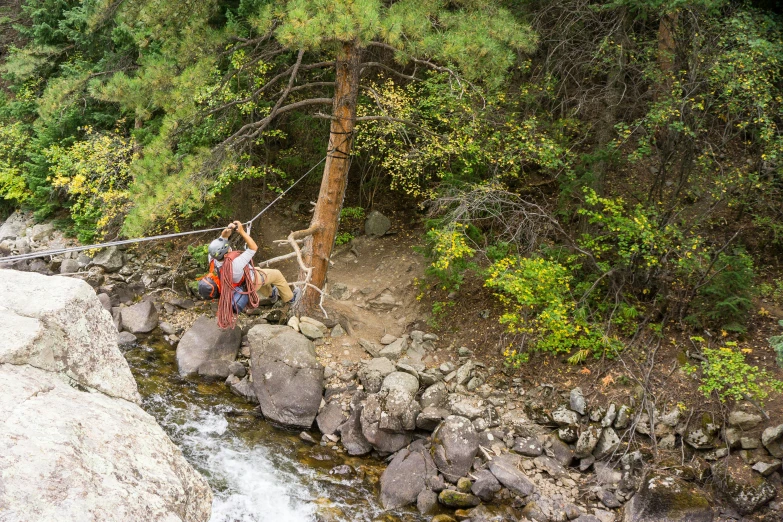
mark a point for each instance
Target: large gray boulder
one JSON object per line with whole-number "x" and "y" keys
{"x": 205, "y": 341}
{"x": 454, "y": 445}
{"x": 330, "y": 418}
{"x": 405, "y": 478}
{"x": 58, "y": 325}
{"x": 287, "y": 377}
{"x": 139, "y": 318}
{"x": 746, "y": 490}
{"x": 71, "y": 425}
{"x": 110, "y": 259}
{"x": 398, "y": 399}
{"x": 663, "y": 498}
{"x": 376, "y": 224}
{"x": 772, "y": 439}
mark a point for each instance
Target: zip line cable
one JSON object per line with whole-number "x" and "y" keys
{"x": 34, "y": 255}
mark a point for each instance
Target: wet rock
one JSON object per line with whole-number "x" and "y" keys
{"x": 110, "y": 259}
{"x": 243, "y": 388}
{"x": 457, "y": 499}
{"x": 351, "y": 434}
{"x": 405, "y": 478}
{"x": 743, "y": 420}
{"x": 506, "y": 469}
{"x": 485, "y": 486}
{"x": 307, "y": 438}
{"x": 668, "y": 499}
{"x": 772, "y": 439}
{"x": 372, "y": 374}
{"x": 746, "y": 490}
{"x": 126, "y": 338}
{"x": 376, "y": 224}
{"x": 237, "y": 368}
{"x": 330, "y": 418}
{"x": 454, "y": 445}
{"x": 577, "y": 401}
{"x": 214, "y": 369}
{"x": 427, "y": 502}
{"x": 167, "y": 328}
{"x": 139, "y": 318}
{"x": 343, "y": 470}
{"x": 204, "y": 341}
{"x": 287, "y": 377}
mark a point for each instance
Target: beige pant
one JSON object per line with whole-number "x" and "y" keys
{"x": 266, "y": 278}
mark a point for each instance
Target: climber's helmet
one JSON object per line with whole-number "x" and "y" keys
{"x": 218, "y": 248}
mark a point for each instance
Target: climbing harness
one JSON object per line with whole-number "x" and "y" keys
{"x": 59, "y": 251}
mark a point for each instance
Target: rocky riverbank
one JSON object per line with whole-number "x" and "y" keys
{"x": 454, "y": 437}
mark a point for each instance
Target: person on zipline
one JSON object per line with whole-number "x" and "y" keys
{"x": 266, "y": 283}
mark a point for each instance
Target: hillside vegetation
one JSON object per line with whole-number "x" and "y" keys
{"x": 606, "y": 169}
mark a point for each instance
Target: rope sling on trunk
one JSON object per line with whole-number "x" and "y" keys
{"x": 59, "y": 251}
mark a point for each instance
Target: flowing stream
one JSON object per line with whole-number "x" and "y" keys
{"x": 258, "y": 473}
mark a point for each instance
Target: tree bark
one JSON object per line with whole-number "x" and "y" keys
{"x": 326, "y": 216}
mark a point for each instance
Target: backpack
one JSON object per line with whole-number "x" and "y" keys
{"x": 209, "y": 285}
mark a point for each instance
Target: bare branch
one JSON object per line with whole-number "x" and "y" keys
{"x": 389, "y": 69}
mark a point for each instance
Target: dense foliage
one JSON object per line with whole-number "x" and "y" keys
{"x": 603, "y": 167}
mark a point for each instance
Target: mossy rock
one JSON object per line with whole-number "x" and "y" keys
{"x": 664, "y": 498}
{"x": 457, "y": 499}
{"x": 745, "y": 489}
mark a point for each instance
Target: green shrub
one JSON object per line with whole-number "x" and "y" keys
{"x": 352, "y": 213}
{"x": 536, "y": 293}
{"x": 342, "y": 238}
{"x": 450, "y": 254}
{"x": 199, "y": 253}
{"x": 726, "y": 374}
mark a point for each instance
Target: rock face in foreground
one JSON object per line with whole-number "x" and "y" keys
{"x": 74, "y": 444}
{"x": 287, "y": 378}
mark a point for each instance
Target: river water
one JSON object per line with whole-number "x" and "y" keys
{"x": 258, "y": 473}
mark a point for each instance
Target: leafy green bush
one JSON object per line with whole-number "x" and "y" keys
{"x": 536, "y": 293}
{"x": 725, "y": 373}
{"x": 352, "y": 213}
{"x": 199, "y": 254}
{"x": 450, "y": 254}
{"x": 342, "y": 238}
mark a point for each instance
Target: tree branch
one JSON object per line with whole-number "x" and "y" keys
{"x": 387, "y": 68}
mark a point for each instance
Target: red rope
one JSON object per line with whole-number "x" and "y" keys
{"x": 225, "y": 314}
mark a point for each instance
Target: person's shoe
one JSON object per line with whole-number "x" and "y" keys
{"x": 295, "y": 298}
{"x": 275, "y": 295}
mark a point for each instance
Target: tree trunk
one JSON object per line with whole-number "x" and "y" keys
{"x": 326, "y": 216}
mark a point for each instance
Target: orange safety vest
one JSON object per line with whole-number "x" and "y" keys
{"x": 213, "y": 277}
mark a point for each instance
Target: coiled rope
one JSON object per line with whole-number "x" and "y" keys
{"x": 225, "y": 313}
{"x": 59, "y": 251}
